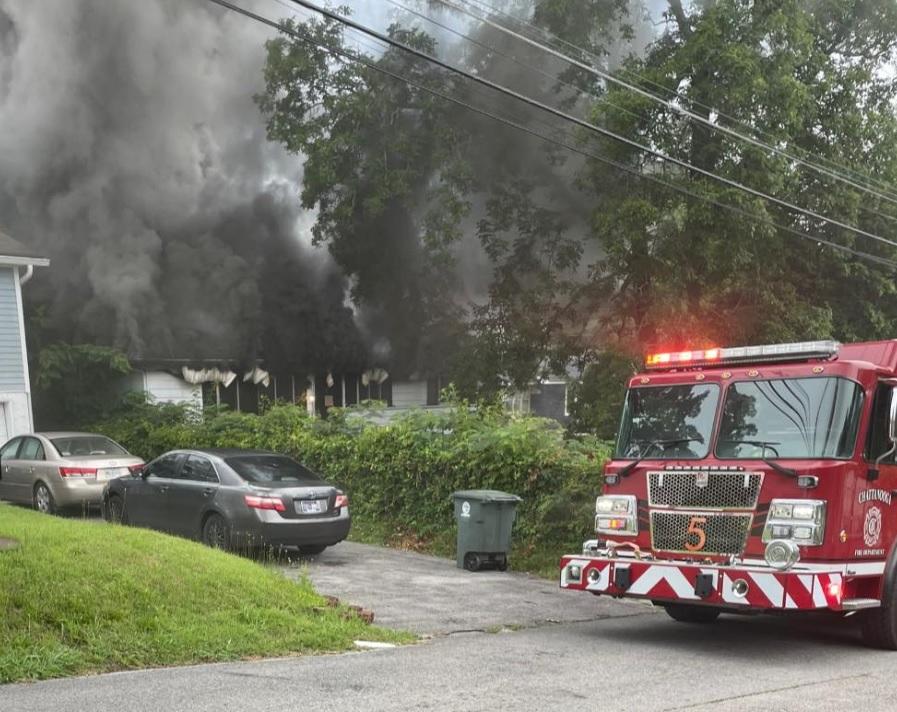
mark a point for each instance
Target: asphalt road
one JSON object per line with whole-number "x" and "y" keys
{"x": 620, "y": 656}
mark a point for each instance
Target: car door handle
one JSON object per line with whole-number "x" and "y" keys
{"x": 164, "y": 488}
{"x": 207, "y": 491}
{"x": 31, "y": 470}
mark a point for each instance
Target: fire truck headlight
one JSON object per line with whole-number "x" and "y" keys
{"x": 574, "y": 572}
{"x": 801, "y": 521}
{"x": 781, "y": 554}
{"x": 615, "y": 504}
{"x": 616, "y": 514}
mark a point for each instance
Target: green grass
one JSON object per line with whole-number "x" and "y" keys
{"x": 82, "y": 597}
{"x": 537, "y": 558}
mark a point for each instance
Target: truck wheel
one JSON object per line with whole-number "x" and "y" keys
{"x": 472, "y": 562}
{"x": 685, "y": 613}
{"x": 880, "y": 625}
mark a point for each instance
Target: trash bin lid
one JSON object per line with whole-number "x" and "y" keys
{"x": 485, "y": 495}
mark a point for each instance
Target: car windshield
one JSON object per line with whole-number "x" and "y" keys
{"x": 790, "y": 417}
{"x": 88, "y": 446}
{"x": 667, "y": 421}
{"x": 272, "y": 471}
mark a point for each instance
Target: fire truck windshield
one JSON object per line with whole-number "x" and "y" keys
{"x": 667, "y": 421}
{"x": 790, "y": 418}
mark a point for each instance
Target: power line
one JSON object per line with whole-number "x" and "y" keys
{"x": 344, "y": 55}
{"x": 580, "y": 122}
{"x": 886, "y": 193}
{"x": 549, "y": 75}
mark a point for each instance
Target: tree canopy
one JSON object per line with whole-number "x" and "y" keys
{"x": 480, "y": 250}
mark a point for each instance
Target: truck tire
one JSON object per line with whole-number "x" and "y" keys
{"x": 879, "y": 625}
{"x": 686, "y": 613}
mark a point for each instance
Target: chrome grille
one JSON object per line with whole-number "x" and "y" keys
{"x": 726, "y": 533}
{"x": 704, "y": 490}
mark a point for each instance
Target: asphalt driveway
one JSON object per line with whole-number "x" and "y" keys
{"x": 431, "y": 596}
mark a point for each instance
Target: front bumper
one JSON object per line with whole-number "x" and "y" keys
{"x": 741, "y": 586}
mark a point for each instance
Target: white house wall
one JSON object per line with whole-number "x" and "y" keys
{"x": 15, "y": 392}
{"x": 162, "y": 387}
{"x": 407, "y": 394}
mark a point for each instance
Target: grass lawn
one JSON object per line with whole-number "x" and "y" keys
{"x": 84, "y": 596}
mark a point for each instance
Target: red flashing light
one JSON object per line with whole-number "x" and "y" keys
{"x": 682, "y": 357}
{"x": 275, "y": 503}
{"x": 834, "y": 592}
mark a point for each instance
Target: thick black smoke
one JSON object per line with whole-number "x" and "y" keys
{"x": 132, "y": 154}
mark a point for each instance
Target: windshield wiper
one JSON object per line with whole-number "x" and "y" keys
{"x": 660, "y": 444}
{"x": 765, "y": 444}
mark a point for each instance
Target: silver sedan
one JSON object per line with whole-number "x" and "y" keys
{"x": 53, "y": 471}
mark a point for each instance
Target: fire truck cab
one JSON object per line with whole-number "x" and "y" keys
{"x": 754, "y": 479}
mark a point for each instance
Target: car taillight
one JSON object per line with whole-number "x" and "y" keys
{"x": 78, "y": 472}
{"x": 136, "y": 469}
{"x": 341, "y": 500}
{"x": 274, "y": 503}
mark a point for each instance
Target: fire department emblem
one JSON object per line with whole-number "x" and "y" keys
{"x": 872, "y": 527}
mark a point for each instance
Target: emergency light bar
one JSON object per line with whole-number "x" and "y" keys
{"x": 744, "y": 354}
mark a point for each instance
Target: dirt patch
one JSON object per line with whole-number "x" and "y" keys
{"x": 8, "y": 544}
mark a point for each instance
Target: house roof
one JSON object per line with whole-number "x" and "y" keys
{"x": 13, "y": 252}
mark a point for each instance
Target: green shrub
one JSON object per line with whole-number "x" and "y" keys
{"x": 400, "y": 476}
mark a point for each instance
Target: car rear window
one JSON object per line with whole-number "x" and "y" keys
{"x": 88, "y": 446}
{"x": 272, "y": 470}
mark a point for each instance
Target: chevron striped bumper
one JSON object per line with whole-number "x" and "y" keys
{"x": 743, "y": 586}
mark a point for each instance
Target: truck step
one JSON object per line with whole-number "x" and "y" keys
{"x": 857, "y": 604}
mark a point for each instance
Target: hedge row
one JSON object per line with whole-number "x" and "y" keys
{"x": 401, "y": 475}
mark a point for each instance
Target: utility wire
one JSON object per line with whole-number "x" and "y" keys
{"x": 886, "y": 191}
{"x": 348, "y": 22}
{"x": 343, "y": 55}
{"x": 549, "y": 75}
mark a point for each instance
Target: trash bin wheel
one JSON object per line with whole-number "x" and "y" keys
{"x": 502, "y": 564}
{"x": 472, "y": 561}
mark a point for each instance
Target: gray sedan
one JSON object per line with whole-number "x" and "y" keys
{"x": 53, "y": 471}
{"x": 232, "y": 499}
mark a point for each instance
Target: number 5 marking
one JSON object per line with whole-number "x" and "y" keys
{"x": 694, "y": 527}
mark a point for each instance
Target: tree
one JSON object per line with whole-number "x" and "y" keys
{"x": 809, "y": 78}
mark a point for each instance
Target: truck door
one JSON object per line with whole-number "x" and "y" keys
{"x": 873, "y": 520}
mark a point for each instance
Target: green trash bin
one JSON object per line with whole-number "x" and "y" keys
{"x": 484, "y": 518}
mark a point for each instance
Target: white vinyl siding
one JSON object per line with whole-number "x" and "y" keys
{"x": 12, "y": 350}
{"x": 162, "y": 387}
{"x": 408, "y": 394}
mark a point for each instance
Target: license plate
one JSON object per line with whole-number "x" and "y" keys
{"x": 110, "y": 473}
{"x": 312, "y": 506}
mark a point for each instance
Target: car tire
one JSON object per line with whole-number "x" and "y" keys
{"x": 685, "y": 613}
{"x": 216, "y": 532}
{"x": 312, "y": 550}
{"x": 42, "y": 499}
{"x": 115, "y": 510}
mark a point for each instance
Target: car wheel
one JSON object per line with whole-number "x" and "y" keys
{"x": 115, "y": 510}
{"x": 216, "y": 532}
{"x": 311, "y": 550}
{"x": 685, "y": 613}
{"x": 43, "y": 499}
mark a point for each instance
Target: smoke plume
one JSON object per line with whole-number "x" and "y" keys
{"x": 134, "y": 157}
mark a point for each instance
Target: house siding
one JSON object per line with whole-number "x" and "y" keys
{"x": 12, "y": 355}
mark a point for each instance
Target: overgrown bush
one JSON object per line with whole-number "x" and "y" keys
{"x": 400, "y": 476}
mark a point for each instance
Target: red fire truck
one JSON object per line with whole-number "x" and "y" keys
{"x": 754, "y": 479}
